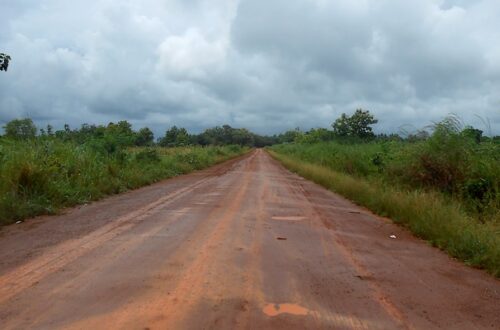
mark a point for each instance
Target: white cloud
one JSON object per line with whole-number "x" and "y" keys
{"x": 265, "y": 65}
{"x": 191, "y": 55}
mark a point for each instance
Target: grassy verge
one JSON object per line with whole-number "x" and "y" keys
{"x": 428, "y": 215}
{"x": 43, "y": 176}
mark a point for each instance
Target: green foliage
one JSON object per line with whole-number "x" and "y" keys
{"x": 445, "y": 186}
{"x": 450, "y": 161}
{"x": 341, "y": 126}
{"x": 110, "y": 138}
{"x": 315, "y": 135}
{"x": 227, "y": 135}
{"x": 115, "y": 136}
{"x": 357, "y": 125}
{"x": 20, "y": 129}
{"x": 442, "y": 162}
{"x": 144, "y": 137}
{"x": 43, "y": 175}
{"x": 290, "y": 136}
{"x": 473, "y": 133}
{"x": 430, "y": 215}
{"x": 148, "y": 155}
{"x": 175, "y": 137}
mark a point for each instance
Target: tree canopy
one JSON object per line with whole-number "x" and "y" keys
{"x": 356, "y": 125}
{"x": 20, "y": 129}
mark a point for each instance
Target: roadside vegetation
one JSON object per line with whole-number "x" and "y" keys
{"x": 444, "y": 185}
{"x": 42, "y": 173}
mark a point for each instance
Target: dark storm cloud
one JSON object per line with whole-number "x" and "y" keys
{"x": 268, "y": 66}
{"x": 410, "y": 62}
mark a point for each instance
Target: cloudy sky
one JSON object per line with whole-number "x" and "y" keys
{"x": 265, "y": 65}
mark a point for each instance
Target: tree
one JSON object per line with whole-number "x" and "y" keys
{"x": 290, "y": 136}
{"x": 360, "y": 123}
{"x": 315, "y": 135}
{"x": 182, "y": 138}
{"x": 341, "y": 126}
{"x": 4, "y": 61}
{"x": 175, "y": 137}
{"x": 21, "y": 129}
{"x": 357, "y": 125}
{"x": 473, "y": 133}
{"x": 144, "y": 137}
{"x": 121, "y": 133}
{"x": 420, "y": 135}
{"x": 50, "y": 130}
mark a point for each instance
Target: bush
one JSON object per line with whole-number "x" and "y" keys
{"x": 448, "y": 162}
{"x": 149, "y": 155}
{"x": 41, "y": 176}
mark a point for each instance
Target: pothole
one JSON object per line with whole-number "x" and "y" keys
{"x": 277, "y": 309}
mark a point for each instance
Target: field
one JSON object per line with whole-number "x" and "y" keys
{"x": 445, "y": 189}
{"x": 44, "y": 175}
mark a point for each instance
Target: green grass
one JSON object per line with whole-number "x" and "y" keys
{"x": 430, "y": 213}
{"x": 43, "y": 176}
{"x": 465, "y": 172}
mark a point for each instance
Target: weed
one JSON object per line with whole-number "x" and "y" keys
{"x": 430, "y": 215}
{"x": 42, "y": 176}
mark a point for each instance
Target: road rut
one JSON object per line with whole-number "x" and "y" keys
{"x": 245, "y": 244}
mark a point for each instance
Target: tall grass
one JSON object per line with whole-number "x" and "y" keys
{"x": 448, "y": 164}
{"x": 42, "y": 176}
{"x": 445, "y": 189}
{"x": 427, "y": 214}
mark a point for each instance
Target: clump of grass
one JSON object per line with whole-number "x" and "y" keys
{"x": 429, "y": 215}
{"x": 42, "y": 176}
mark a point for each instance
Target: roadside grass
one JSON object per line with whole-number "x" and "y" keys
{"x": 42, "y": 176}
{"x": 429, "y": 215}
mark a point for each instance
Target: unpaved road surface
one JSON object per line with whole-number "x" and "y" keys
{"x": 245, "y": 244}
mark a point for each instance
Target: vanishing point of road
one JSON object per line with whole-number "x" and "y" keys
{"x": 242, "y": 245}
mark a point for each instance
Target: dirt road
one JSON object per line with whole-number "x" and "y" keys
{"x": 245, "y": 244}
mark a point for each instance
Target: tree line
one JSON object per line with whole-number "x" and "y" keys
{"x": 122, "y": 134}
{"x": 347, "y": 128}
{"x": 357, "y": 128}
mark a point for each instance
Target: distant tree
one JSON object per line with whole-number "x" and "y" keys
{"x": 290, "y": 136}
{"x": 473, "y": 133}
{"x": 144, "y": 137}
{"x": 226, "y": 135}
{"x": 4, "y": 61}
{"x": 315, "y": 135}
{"x": 120, "y": 134}
{"x": 420, "y": 135}
{"x": 342, "y": 126}
{"x": 388, "y": 137}
{"x": 170, "y": 136}
{"x": 123, "y": 127}
{"x": 262, "y": 140}
{"x": 21, "y": 129}
{"x": 182, "y": 138}
{"x": 360, "y": 123}
{"x": 357, "y": 125}
{"x": 242, "y": 137}
{"x": 175, "y": 137}
{"x": 50, "y": 130}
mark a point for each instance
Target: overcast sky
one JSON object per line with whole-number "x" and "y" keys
{"x": 265, "y": 65}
